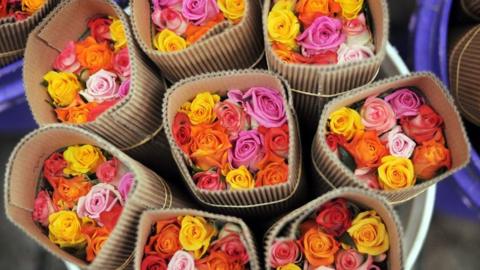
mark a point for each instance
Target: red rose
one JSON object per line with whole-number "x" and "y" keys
{"x": 334, "y": 217}
{"x": 109, "y": 219}
{"x": 209, "y": 180}
{"x": 233, "y": 246}
{"x": 423, "y": 126}
{"x": 53, "y": 168}
{"x": 276, "y": 139}
{"x": 98, "y": 109}
{"x": 326, "y": 58}
{"x": 107, "y": 171}
{"x": 182, "y": 130}
{"x": 153, "y": 262}
{"x": 100, "y": 29}
{"x": 334, "y": 140}
{"x": 3, "y": 8}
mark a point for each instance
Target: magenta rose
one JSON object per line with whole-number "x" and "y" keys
{"x": 170, "y": 18}
{"x": 121, "y": 63}
{"x": 209, "y": 180}
{"x": 350, "y": 53}
{"x": 181, "y": 260}
{"x": 67, "y": 60}
{"x": 199, "y": 11}
{"x": 233, "y": 246}
{"x": 43, "y": 207}
{"x": 352, "y": 260}
{"x": 107, "y": 171}
{"x": 158, "y": 4}
{"x": 263, "y": 104}
{"x": 125, "y": 185}
{"x": 124, "y": 88}
{"x": 232, "y": 118}
{"x": 357, "y": 31}
{"x": 101, "y": 86}
{"x": 405, "y": 102}
{"x": 284, "y": 252}
{"x": 153, "y": 262}
{"x": 100, "y": 29}
{"x": 324, "y": 34}
{"x": 398, "y": 144}
{"x": 247, "y": 150}
{"x": 377, "y": 115}
{"x": 101, "y": 198}
{"x": 368, "y": 176}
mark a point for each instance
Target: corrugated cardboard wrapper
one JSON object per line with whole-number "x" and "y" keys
{"x": 314, "y": 84}
{"x": 335, "y": 174}
{"x": 150, "y": 217}
{"x": 471, "y": 8}
{"x": 134, "y": 124}
{"x": 288, "y": 225}
{"x": 225, "y": 47}
{"x": 267, "y": 200}
{"x": 14, "y": 33}
{"x": 23, "y": 172}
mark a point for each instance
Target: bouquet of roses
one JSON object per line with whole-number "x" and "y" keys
{"x": 390, "y": 141}
{"x": 92, "y": 74}
{"x": 320, "y": 31}
{"x": 19, "y": 9}
{"x": 340, "y": 234}
{"x": 180, "y": 23}
{"x": 81, "y": 195}
{"x": 236, "y": 142}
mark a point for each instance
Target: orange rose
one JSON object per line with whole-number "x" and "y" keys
{"x": 76, "y": 113}
{"x": 166, "y": 240}
{"x": 217, "y": 260}
{"x": 429, "y": 158}
{"x": 367, "y": 149}
{"x": 273, "y": 174}
{"x": 68, "y": 191}
{"x": 194, "y": 32}
{"x": 96, "y": 237}
{"x": 319, "y": 248}
{"x": 94, "y": 56}
{"x": 209, "y": 146}
{"x": 308, "y": 10}
{"x": 267, "y": 159}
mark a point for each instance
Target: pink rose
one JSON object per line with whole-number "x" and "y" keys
{"x": 357, "y": 31}
{"x": 284, "y": 252}
{"x": 181, "y": 260}
{"x": 368, "y": 176}
{"x": 67, "y": 60}
{"x": 100, "y": 29}
{"x": 405, "y": 102}
{"x": 124, "y": 88}
{"x": 377, "y": 115}
{"x": 107, "y": 171}
{"x": 101, "y": 86}
{"x": 158, "y": 4}
{"x": 209, "y": 180}
{"x": 101, "y": 198}
{"x": 199, "y": 11}
{"x": 233, "y": 246}
{"x": 247, "y": 150}
{"x": 121, "y": 63}
{"x": 43, "y": 207}
{"x": 325, "y": 34}
{"x": 170, "y": 18}
{"x": 125, "y": 185}
{"x": 398, "y": 143}
{"x": 350, "y": 53}
{"x": 352, "y": 260}
{"x": 232, "y": 117}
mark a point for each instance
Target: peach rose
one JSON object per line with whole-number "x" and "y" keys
{"x": 430, "y": 158}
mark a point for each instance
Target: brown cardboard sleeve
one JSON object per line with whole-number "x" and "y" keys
{"x": 23, "y": 173}
{"x": 134, "y": 124}
{"x": 234, "y": 47}
{"x": 314, "y": 84}
{"x": 471, "y": 8}
{"x": 150, "y": 217}
{"x": 268, "y": 200}
{"x": 330, "y": 168}
{"x": 288, "y": 225}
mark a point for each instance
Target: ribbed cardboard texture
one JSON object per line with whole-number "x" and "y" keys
{"x": 471, "y": 8}
{"x": 329, "y": 167}
{"x": 464, "y": 71}
{"x": 150, "y": 217}
{"x": 268, "y": 200}
{"x": 364, "y": 199}
{"x": 23, "y": 173}
{"x": 134, "y": 124}
{"x": 235, "y": 47}
{"x": 313, "y": 85}
{"x": 14, "y": 34}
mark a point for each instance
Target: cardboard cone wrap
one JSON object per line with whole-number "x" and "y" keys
{"x": 21, "y": 180}
{"x": 288, "y": 225}
{"x": 313, "y": 85}
{"x": 267, "y": 200}
{"x": 150, "y": 217}
{"x": 233, "y": 47}
{"x": 471, "y": 8}
{"x": 329, "y": 167}
{"x": 14, "y": 33}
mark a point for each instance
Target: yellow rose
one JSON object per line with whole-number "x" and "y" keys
{"x": 290, "y": 266}
{"x": 369, "y": 233}
{"x": 284, "y": 4}
{"x": 396, "y": 173}
{"x": 62, "y": 87}
{"x": 346, "y": 122}
{"x": 232, "y": 9}
{"x": 31, "y": 6}
{"x": 195, "y": 235}
{"x": 240, "y": 178}
{"x": 117, "y": 31}
{"x": 168, "y": 41}
{"x": 283, "y": 26}
{"x": 64, "y": 229}
{"x": 350, "y": 8}
{"x": 200, "y": 110}
{"x": 82, "y": 159}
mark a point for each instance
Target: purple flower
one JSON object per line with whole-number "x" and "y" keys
{"x": 126, "y": 184}
{"x": 324, "y": 34}
{"x": 405, "y": 102}
{"x": 124, "y": 88}
{"x": 248, "y": 150}
{"x": 199, "y": 11}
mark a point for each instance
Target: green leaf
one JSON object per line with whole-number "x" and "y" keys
{"x": 345, "y": 238}
{"x": 355, "y": 210}
{"x": 44, "y": 83}
{"x": 346, "y": 158}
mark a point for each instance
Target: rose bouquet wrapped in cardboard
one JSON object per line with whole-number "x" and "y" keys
{"x": 234, "y": 137}
{"x": 347, "y": 228}
{"x": 397, "y": 136}
{"x": 187, "y": 37}
{"x": 79, "y": 197}
{"x": 190, "y": 239}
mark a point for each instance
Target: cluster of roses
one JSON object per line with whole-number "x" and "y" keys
{"x": 193, "y": 242}
{"x": 91, "y": 75}
{"x": 180, "y": 23}
{"x": 339, "y": 236}
{"x": 19, "y": 9}
{"x": 320, "y": 31}
{"x": 396, "y": 140}
{"x": 240, "y": 142}
{"x": 82, "y": 194}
